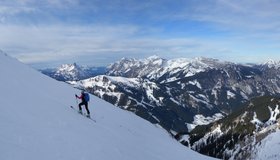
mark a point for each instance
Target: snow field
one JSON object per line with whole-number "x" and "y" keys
{"x": 36, "y": 122}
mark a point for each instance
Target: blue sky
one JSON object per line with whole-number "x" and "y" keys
{"x": 99, "y": 32}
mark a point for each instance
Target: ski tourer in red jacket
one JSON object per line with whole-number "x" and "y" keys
{"x": 84, "y": 102}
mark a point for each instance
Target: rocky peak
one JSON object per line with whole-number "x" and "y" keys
{"x": 272, "y": 64}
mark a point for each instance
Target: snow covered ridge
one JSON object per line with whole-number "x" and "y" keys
{"x": 272, "y": 64}
{"x": 149, "y": 100}
{"x": 242, "y": 135}
{"x": 272, "y": 120}
{"x": 37, "y": 123}
{"x": 155, "y": 67}
{"x": 267, "y": 137}
{"x": 206, "y": 93}
{"x": 162, "y": 70}
{"x": 71, "y": 72}
{"x": 201, "y": 120}
{"x": 105, "y": 81}
{"x": 268, "y": 148}
{"x": 173, "y": 101}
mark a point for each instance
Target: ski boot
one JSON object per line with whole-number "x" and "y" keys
{"x": 80, "y": 111}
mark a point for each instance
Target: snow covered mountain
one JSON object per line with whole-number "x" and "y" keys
{"x": 36, "y": 122}
{"x": 245, "y": 134}
{"x": 268, "y": 148}
{"x": 162, "y": 70}
{"x": 154, "y": 102}
{"x": 271, "y": 64}
{"x": 73, "y": 72}
{"x": 184, "y": 95}
{"x": 179, "y": 94}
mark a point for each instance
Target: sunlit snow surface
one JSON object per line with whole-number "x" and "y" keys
{"x": 268, "y": 149}
{"x": 36, "y": 122}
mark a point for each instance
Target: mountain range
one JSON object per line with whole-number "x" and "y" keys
{"x": 181, "y": 95}
{"x": 173, "y": 92}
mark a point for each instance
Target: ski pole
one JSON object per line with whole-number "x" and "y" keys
{"x": 77, "y": 101}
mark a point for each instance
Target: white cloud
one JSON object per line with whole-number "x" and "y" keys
{"x": 13, "y": 10}
{"x": 50, "y": 30}
{"x": 65, "y": 40}
{"x": 246, "y": 15}
{"x": 50, "y": 43}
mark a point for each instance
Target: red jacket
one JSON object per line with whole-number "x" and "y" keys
{"x": 81, "y": 97}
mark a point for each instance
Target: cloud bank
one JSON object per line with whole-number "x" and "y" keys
{"x": 99, "y": 32}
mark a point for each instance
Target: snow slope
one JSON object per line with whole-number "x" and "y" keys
{"x": 268, "y": 149}
{"x": 36, "y": 122}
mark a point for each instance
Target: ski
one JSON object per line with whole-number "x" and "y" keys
{"x": 82, "y": 114}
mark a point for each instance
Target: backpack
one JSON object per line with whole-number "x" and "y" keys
{"x": 86, "y": 97}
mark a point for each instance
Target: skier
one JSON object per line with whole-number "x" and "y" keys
{"x": 85, "y": 98}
